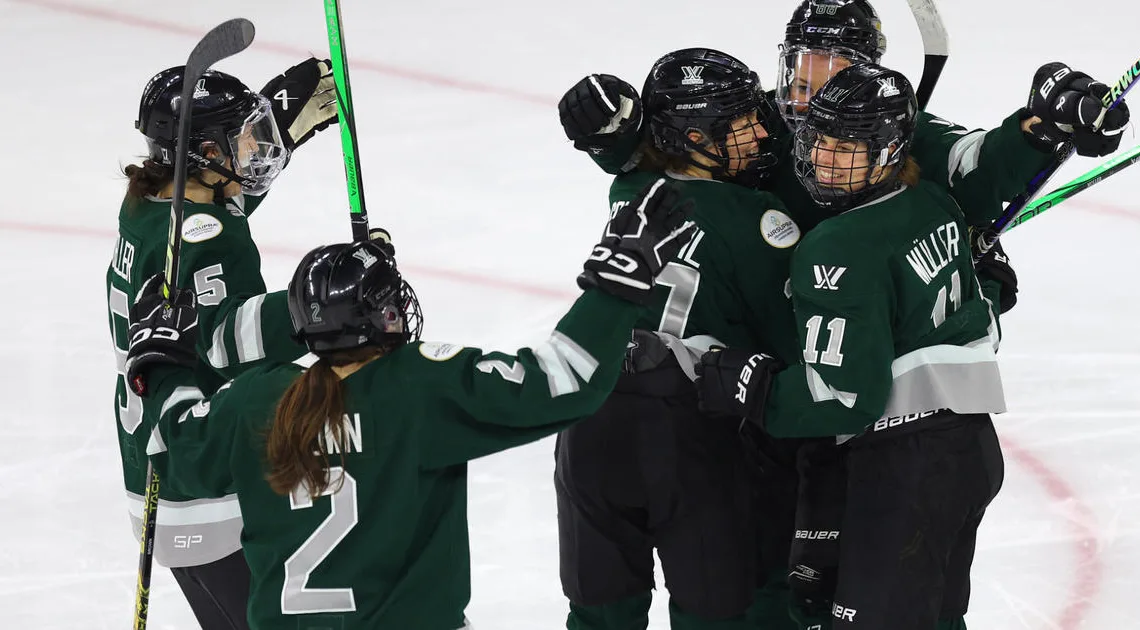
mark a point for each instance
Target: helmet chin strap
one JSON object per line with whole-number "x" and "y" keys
{"x": 217, "y": 165}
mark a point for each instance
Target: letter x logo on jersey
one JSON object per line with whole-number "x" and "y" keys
{"x": 828, "y": 277}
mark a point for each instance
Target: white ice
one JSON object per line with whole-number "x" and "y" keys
{"x": 493, "y": 211}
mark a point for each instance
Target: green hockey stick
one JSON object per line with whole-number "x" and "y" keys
{"x": 357, "y": 212}
{"x": 1083, "y": 182}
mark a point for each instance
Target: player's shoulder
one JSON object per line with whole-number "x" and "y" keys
{"x": 269, "y": 379}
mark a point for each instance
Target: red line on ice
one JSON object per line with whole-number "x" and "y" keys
{"x": 1089, "y": 571}
{"x": 1080, "y": 517}
{"x": 296, "y": 52}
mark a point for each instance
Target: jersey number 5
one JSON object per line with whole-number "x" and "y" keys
{"x": 296, "y": 597}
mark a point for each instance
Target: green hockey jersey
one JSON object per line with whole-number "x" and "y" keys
{"x": 388, "y": 546}
{"x": 980, "y": 169}
{"x": 891, "y": 321}
{"x": 727, "y": 285}
{"x": 240, "y": 324}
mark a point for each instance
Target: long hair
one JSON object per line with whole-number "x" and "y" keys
{"x": 295, "y": 454}
{"x": 148, "y": 179}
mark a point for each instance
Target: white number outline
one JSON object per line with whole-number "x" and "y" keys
{"x": 296, "y": 597}
{"x": 683, "y": 282}
{"x": 209, "y": 286}
{"x": 833, "y": 354}
{"x": 938, "y": 314}
{"x": 130, "y": 414}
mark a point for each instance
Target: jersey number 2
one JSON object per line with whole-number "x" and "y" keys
{"x": 296, "y": 597}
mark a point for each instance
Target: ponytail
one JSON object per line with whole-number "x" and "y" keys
{"x": 295, "y": 454}
{"x": 148, "y": 179}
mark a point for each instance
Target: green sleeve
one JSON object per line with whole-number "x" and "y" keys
{"x": 621, "y": 157}
{"x": 240, "y": 324}
{"x": 980, "y": 169}
{"x": 483, "y": 403}
{"x": 192, "y": 437}
{"x": 843, "y": 310}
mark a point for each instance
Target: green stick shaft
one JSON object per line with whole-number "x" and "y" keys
{"x": 1089, "y": 179}
{"x": 347, "y": 122}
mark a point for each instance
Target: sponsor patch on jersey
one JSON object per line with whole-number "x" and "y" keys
{"x": 437, "y": 351}
{"x": 779, "y": 229}
{"x": 200, "y": 227}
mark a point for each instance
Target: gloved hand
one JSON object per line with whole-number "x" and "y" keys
{"x": 1071, "y": 105}
{"x": 598, "y": 111}
{"x": 303, "y": 99}
{"x": 381, "y": 236}
{"x": 732, "y": 382}
{"x": 640, "y": 239}
{"x": 995, "y": 265}
{"x": 161, "y": 332}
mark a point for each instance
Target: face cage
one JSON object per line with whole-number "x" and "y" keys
{"x": 838, "y": 192}
{"x": 258, "y": 153}
{"x": 803, "y": 72}
{"x": 400, "y": 317}
{"x": 732, "y": 165}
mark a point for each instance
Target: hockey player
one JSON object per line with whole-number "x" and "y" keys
{"x": 243, "y": 139}
{"x": 980, "y": 169}
{"x": 381, "y": 424}
{"x": 897, "y": 360}
{"x": 648, "y": 471}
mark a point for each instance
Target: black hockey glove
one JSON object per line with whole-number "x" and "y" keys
{"x": 598, "y": 111}
{"x": 995, "y": 265}
{"x": 303, "y": 99}
{"x": 381, "y": 236}
{"x": 735, "y": 383}
{"x": 640, "y": 239}
{"x": 1070, "y": 106}
{"x": 161, "y": 332}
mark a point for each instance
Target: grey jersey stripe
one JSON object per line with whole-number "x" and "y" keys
{"x": 217, "y": 355}
{"x": 560, "y": 357}
{"x": 181, "y": 393}
{"x": 965, "y": 379}
{"x": 247, "y": 330}
{"x": 558, "y": 375}
{"x": 964, "y": 155}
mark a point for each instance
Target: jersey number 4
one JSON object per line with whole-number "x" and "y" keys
{"x": 296, "y": 597}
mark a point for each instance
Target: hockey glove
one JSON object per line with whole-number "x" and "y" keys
{"x": 735, "y": 383}
{"x": 640, "y": 239}
{"x": 303, "y": 99}
{"x": 161, "y": 332}
{"x": 1070, "y": 106}
{"x": 384, "y": 239}
{"x": 599, "y": 111}
{"x": 995, "y": 265}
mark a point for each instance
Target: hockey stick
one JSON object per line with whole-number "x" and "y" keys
{"x": 357, "y": 212}
{"x": 224, "y": 40}
{"x": 986, "y": 239}
{"x": 935, "y": 44}
{"x": 1089, "y": 179}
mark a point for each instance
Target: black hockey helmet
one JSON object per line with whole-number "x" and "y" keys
{"x": 821, "y": 38}
{"x": 864, "y": 110}
{"x": 226, "y": 114}
{"x": 349, "y": 295}
{"x": 705, "y": 90}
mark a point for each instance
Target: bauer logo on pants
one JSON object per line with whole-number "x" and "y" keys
{"x": 200, "y": 227}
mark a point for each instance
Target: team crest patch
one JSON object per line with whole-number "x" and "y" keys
{"x": 778, "y": 229}
{"x": 200, "y": 227}
{"x": 437, "y": 351}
